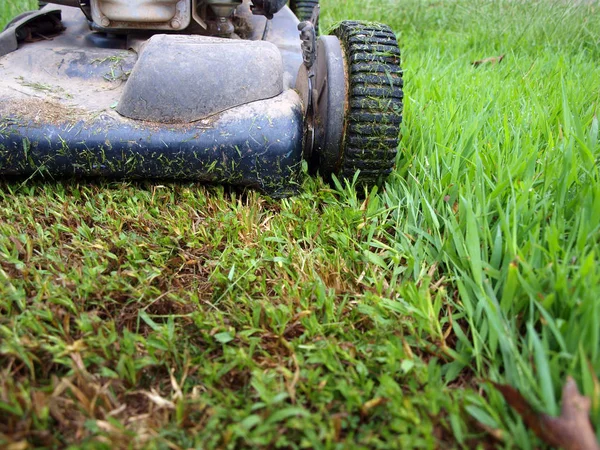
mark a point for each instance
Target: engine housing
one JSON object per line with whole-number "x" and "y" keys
{"x": 142, "y": 14}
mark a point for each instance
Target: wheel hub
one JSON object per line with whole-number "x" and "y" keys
{"x": 329, "y": 96}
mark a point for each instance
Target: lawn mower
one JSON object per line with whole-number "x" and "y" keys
{"x": 226, "y": 91}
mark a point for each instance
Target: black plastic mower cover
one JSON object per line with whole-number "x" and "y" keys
{"x": 267, "y": 8}
{"x": 29, "y": 25}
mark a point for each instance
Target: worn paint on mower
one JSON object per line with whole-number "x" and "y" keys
{"x": 216, "y": 91}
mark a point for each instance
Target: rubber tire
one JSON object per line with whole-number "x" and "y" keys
{"x": 303, "y": 9}
{"x": 375, "y": 101}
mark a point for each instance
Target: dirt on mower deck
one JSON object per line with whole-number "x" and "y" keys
{"x": 39, "y": 110}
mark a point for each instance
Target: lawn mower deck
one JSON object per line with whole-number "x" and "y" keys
{"x": 92, "y": 95}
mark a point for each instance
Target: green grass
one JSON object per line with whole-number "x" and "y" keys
{"x": 11, "y": 8}
{"x": 177, "y": 315}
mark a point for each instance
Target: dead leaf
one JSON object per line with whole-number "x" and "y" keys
{"x": 492, "y": 60}
{"x": 337, "y": 425}
{"x": 18, "y": 245}
{"x": 572, "y": 430}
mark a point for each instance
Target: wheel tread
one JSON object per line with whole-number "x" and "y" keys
{"x": 303, "y": 9}
{"x": 375, "y": 101}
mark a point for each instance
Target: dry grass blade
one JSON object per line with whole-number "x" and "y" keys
{"x": 491, "y": 60}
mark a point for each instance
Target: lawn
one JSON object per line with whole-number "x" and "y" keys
{"x": 176, "y": 315}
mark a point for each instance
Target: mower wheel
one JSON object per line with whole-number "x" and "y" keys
{"x": 374, "y": 101}
{"x": 303, "y": 9}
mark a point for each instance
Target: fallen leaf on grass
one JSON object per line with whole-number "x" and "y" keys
{"x": 572, "y": 430}
{"x": 492, "y": 60}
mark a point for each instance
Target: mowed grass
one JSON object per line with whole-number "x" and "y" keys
{"x": 177, "y": 315}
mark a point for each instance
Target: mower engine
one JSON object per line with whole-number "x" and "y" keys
{"x": 151, "y": 15}
{"x": 206, "y": 17}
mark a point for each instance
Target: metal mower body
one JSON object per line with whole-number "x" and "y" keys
{"x": 109, "y": 92}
